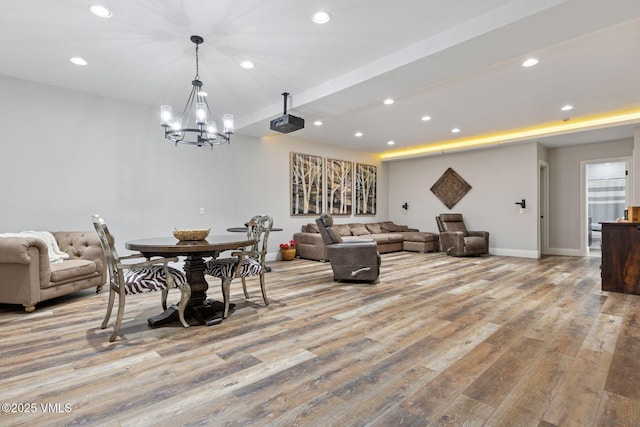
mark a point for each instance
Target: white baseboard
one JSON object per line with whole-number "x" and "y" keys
{"x": 513, "y": 252}
{"x": 565, "y": 252}
{"x": 271, "y": 256}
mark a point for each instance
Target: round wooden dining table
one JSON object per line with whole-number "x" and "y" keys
{"x": 199, "y": 309}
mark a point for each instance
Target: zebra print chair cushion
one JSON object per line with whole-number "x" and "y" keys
{"x": 150, "y": 279}
{"x": 226, "y": 267}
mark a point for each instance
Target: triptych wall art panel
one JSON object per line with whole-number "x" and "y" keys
{"x": 318, "y": 186}
{"x": 339, "y": 184}
{"x": 366, "y": 181}
{"x": 306, "y": 184}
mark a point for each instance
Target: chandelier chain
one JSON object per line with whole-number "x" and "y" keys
{"x": 197, "y": 63}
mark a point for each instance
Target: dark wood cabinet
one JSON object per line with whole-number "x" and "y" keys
{"x": 621, "y": 257}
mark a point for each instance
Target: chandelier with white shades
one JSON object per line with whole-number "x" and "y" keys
{"x": 196, "y": 125}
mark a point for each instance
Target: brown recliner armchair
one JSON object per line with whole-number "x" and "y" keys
{"x": 456, "y": 240}
{"x": 352, "y": 260}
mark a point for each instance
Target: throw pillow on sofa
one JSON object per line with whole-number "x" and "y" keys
{"x": 358, "y": 230}
{"x": 334, "y": 235}
{"x": 374, "y": 228}
{"x": 389, "y": 226}
{"x": 386, "y": 226}
{"x": 342, "y": 229}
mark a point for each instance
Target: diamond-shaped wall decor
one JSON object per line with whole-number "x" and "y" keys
{"x": 450, "y": 188}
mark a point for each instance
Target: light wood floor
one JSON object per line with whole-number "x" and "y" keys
{"x": 439, "y": 341}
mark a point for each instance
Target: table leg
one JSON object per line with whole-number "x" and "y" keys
{"x": 199, "y": 309}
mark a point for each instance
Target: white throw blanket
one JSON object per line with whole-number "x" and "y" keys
{"x": 55, "y": 254}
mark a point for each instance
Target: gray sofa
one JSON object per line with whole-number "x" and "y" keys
{"x": 389, "y": 237}
{"x": 27, "y": 276}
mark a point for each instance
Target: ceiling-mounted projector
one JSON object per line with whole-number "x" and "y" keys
{"x": 287, "y": 123}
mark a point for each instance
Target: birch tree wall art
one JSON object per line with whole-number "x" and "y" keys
{"x": 306, "y": 184}
{"x": 366, "y": 182}
{"x": 339, "y": 186}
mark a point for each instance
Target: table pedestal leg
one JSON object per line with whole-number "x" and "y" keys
{"x": 199, "y": 309}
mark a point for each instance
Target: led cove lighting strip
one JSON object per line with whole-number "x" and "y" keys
{"x": 506, "y": 137}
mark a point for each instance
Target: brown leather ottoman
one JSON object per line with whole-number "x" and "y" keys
{"x": 421, "y": 241}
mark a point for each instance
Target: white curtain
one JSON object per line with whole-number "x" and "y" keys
{"x": 606, "y": 198}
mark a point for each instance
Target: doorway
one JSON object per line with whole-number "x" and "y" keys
{"x": 607, "y": 190}
{"x": 543, "y": 208}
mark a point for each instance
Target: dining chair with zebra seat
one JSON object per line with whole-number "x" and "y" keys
{"x": 138, "y": 278}
{"x": 247, "y": 262}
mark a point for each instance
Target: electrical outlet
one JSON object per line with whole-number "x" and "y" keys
{"x": 201, "y": 211}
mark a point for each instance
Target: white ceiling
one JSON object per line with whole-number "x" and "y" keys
{"x": 457, "y": 61}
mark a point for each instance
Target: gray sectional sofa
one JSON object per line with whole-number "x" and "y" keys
{"x": 389, "y": 237}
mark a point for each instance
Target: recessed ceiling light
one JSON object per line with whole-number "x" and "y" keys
{"x": 358, "y": 134}
{"x": 317, "y": 123}
{"x": 455, "y": 130}
{"x": 567, "y": 108}
{"x": 388, "y": 101}
{"x": 78, "y": 61}
{"x": 425, "y": 118}
{"x": 321, "y": 17}
{"x": 530, "y": 62}
{"x": 247, "y": 64}
{"x": 100, "y": 11}
{"x": 390, "y": 142}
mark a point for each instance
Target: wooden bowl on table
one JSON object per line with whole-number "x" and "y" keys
{"x": 192, "y": 234}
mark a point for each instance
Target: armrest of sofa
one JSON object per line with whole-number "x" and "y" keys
{"x": 83, "y": 245}
{"x": 483, "y": 234}
{"x": 310, "y": 246}
{"x": 452, "y": 242}
{"x": 14, "y": 250}
{"x": 26, "y": 251}
{"x": 354, "y": 245}
{"x": 308, "y": 238}
{"x": 358, "y": 261}
{"x": 24, "y": 268}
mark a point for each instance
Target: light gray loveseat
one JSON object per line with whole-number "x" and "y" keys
{"x": 389, "y": 237}
{"x": 27, "y": 277}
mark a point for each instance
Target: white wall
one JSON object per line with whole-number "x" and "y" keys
{"x": 499, "y": 177}
{"x": 564, "y": 192}
{"x": 66, "y": 155}
{"x": 635, "y": 167}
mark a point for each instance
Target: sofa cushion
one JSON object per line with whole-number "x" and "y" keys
{"x": 385, "y": 226}
{"x": 397, "y": 227}
{"x": 71, "y": 269}
{"x": 358, "y": 230}
{"x": 342, "y": 229}
{"x": 374, "y": 228}
{"x": 389, "y": 226}
{"x": 420, "y": 236}
{"x": 334, "y": 235}
{"x": 388, "y": 237}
